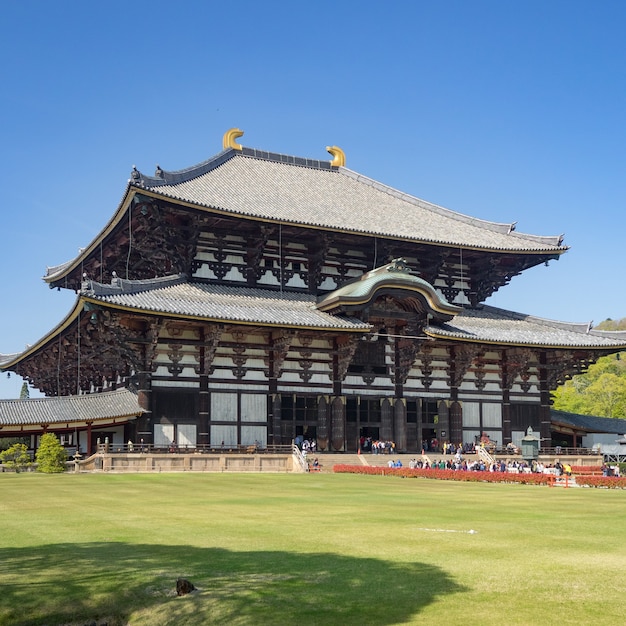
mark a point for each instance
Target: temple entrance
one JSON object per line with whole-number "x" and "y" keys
{"x": 429, "y": 440}
{"x": 368, "y": 434}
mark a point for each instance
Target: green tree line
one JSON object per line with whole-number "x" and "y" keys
{"x": 601, "y": 391}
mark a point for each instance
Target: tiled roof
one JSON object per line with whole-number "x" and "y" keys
{"x": 6, "y": 358}
{"x": 281, "y": 188}
{"x": 491, "y": 325}
{"x": 222, "y": 303}
{"x": 590, "y": 423}
{"x": 65, "y": 409}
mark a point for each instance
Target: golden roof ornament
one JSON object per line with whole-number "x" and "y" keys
{"x": 228, "y": 140}
{"x": 339, "y": 156}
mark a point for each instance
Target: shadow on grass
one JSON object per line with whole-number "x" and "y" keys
{"x": 135, "y": 583}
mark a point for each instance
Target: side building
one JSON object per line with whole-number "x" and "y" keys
{"x": 257, "y": 297}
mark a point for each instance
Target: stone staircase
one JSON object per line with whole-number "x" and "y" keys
{"x": 328, "y": 459}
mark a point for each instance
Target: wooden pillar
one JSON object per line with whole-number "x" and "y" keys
{"x": 275, "y": 418}
{"x": 338, "y": 424}
{"x": 323, "y": 422}
{"x": 399, "y": 408}
{"x": 273, "y": 403}
{"x": 400, "y": 424}
{"x": 204, "y": 436}
{"x": 506, "y": 382}
{"x": 144, "y": 396}
{"x": 544, "y": 400}
{"x": 89, "y": 439}
{"x": 456, "y": 422}
{"x": 386, "y": 420}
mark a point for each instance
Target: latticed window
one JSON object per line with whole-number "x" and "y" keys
{"x": 369, "y": 357}
{"x": 366, "y": 411}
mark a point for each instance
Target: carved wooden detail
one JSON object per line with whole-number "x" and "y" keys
{"x": 256, "y": 245}
{"x": 276, "y": 352}
{"x": 175, "y": 355}
{"x": 346, "y": 347}
{"x": 239, "y": 359}
{"x": 306, "y": 361}
{"x": 317, "y": 253}
{"x": 479, "y": 373}
{"x": 563, "y": 365}
{"x": 516, "y": 362}
{"x": 462, "y": 357}
{"x": 426, "y": 358}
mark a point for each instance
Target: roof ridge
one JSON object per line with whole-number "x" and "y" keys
{"x": 172, "y": 177}
{"x": 122, "y": 285}
{"x": 577, "y": 327}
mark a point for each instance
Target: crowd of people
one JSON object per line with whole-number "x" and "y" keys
{"x": 479, "y": 465}
{"x": 377, "y": 446}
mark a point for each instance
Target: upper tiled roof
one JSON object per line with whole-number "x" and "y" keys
{"x": 276, "y": 187}
{"x": 487, "y": 324}
{"x": 245, "y": 305}
{"x": 65, "y": 409}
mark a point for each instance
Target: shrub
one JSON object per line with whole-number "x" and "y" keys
{"x": 16, "y": 457}
{"x": 446, "y": 474}
{"x": 610, "y": 482}
{"x": 50, "y": 455}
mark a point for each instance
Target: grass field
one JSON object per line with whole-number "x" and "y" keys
{"x": 312, "y": 549}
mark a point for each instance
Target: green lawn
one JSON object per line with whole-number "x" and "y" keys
{"x": 311, "y": 549}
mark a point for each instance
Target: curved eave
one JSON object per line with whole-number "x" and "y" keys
{"x": 40, "y": 425}
{"x": 53, "y": 334}
{"x": 430, "y": 295}
{"x": 461, "y": 338}
{"x": 70, "y": 266}
{"x": 268, "y": 219}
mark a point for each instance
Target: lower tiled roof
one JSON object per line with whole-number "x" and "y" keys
{"x": 108, "y": 405}
{"x": 487, "y": 324}
{"x": 230, "y": 304}
{"x": 590, "y": 423}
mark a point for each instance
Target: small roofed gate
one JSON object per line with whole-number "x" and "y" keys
{"x": 400, "y": 414}
{"x": 338, "y": 424}
{"x": 456, "y": 422}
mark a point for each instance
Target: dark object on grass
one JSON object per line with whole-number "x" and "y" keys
{"x": 183, "y": 587}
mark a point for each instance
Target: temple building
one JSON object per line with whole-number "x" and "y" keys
{"x": 257, "y": 297}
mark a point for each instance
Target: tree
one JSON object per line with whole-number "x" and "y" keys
{"x": 24, "y": 393}
{"x": 601, "y": 391}
{"x": 7, "y": 442}
{"x": 16, "y": 457}
{"x": 610, "y": 324}
{"x": 50, "y": 455}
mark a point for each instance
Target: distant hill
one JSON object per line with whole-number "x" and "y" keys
{"x": 610, "y": 324}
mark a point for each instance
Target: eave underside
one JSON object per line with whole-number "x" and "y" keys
{"x": 104, "y": 347}
{"x": 162, "y": 238}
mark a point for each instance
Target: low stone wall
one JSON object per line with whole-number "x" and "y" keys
{"x": 159, "y": 462}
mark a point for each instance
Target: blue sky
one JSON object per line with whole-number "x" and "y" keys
{"x": 506, "y": 111}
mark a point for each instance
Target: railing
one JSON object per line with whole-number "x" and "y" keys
{"x": 299, "y": 457}
{"x": 562, "y": 451}
{"x": 485, "y": 456}
{"x": 144, "y": 448}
